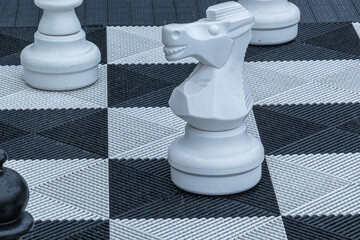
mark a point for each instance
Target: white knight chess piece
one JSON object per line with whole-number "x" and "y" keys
{"x": 60, "y": 58}
{"x": 216, "y": 156}
{"x": 276, "y": 21}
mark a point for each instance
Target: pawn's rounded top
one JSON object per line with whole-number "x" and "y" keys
{"x": 3, "y": 158}
{"x": 58, "y": 5}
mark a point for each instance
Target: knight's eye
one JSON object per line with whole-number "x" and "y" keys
{"x": 214, "y": 29}
{"x": 175, "y": 35}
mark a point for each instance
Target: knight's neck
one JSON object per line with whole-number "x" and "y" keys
{"x": 235, "y": 62}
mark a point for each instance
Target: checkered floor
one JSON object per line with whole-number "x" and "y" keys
{"x": 95, "y": 159}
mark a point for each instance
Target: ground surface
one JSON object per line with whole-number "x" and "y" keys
{"x": 95, "y": 159}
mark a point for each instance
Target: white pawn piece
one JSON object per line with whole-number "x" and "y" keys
{"x": 216, "y": 156}
{"x": 60, "y": 58}
{"x": 276, "y": 21}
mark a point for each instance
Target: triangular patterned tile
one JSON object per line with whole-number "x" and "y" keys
{"x": 347, "y": 40}
{"x": 296, "y": 186}
{"x": 86, "y": 188}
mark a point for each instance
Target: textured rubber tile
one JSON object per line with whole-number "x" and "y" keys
{"x": 96, "y": 93}
{"x": 343, "y": 201}
{"x": 345, "y": 166}
{"x": 322, "y": 227}
{"x": 28, "y": 14}
{"x": 164, "y": 12}
{"x": 86, "y": 188}
{"x": 131, "y": 188}
{"x": 124, "y": 84}
{"x": 186, "y": 11}
{"x": 264, "y": 83}
{"x": 89, "y": 133}
{"x": 323, "y": 11}
{"x": 8, "y": 133}
{"x": 158, "y": 167}
{"x": 50, "y": 168}
{"x": 23, "y": 33}
{"x": 37, "y": 147}
{"x": 39, "y": 120}
{"x": 142, "y": 13}
{"x": 172, "y": 73}
{"x": 127, "y": 132}
{"x": 155, "y": 149}
{"x": 295, "y": 185}
{"x": 186, "y": 205}
{"x": 203, "y": 5}
{"x": 331, "y": 140}
{"x": 202, "y": 229}
{"x": 44, "y": 208}
{"x": 324, "y": 114}
{"x": 310, "y": 30}
{"x": 8, "y": 12}
{"x": 122, "y": 44}
{"x": 278, "y": 130}
{"x": 119, "y": 12}
{"x": 312, "y": 93}
{"x": 69, "y": 230}
{"x": 119, "y": 230}
{"x": 33, "y": 99}
{"x": 272, "y": 230}
{"x": 11, "y": 45}
{"x": 345, "y": 10}
{"x": 158, "y": 98}
{"x": 347, "y": 40}
{"x": 262, "y": 196}
{"x": 96, "y": 12}
{"x": 352, "y": 125}
{"x": 301, "y": 51}
{"x": 252, "y": 51}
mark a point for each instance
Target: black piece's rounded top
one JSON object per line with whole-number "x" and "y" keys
{"x": 14, "y": 193}
{"x": 17, "y": 228}
{"x": 3, "y": 158}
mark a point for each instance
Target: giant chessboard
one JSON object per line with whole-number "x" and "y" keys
{"x": 95, "y": 159}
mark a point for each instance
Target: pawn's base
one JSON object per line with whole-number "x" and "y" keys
{"x": 61, "y": 82}
{"x": 274, "y": 36}
{"x": 216, "y": 163}
{"x": 18, "y": 228}
{"x": 60, "y": 62}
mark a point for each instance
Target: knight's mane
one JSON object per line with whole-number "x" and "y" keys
{"x": 224, "y": 11}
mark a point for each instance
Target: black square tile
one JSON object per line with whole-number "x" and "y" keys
{"x": 343, "y": 39}
{"x": 278, "y": 130}
{"x": 132, "y": 188}
{"x": 89, "y": 133}
{"x": 97, "y": 35}
{"x": 33, "y": 146}
{"x": 40, "y": 120}
{"x": 124, "y": 84}
{"x": 351, "y": 126}
{"x": 8, "y": 133}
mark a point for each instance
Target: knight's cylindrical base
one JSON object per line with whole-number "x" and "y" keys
{"x": 216, "y": 163}
{"x": 276, "y": 21}
{"x": 60, "y": 62}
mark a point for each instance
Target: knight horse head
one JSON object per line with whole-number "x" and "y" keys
{"x": 209, "y": 40}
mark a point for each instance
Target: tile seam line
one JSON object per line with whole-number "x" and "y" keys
{"x": 347, "y": 181}
{"x": 307, "y": 137}
{"x": 135, "y": 33}
{"x": 288, "y": 214}
{"x": 117, "y": 61}
{"x": 146, "y": 119}
{"x": 77, "y": 170}
{"x": 315, "y": 170}
{"x": 67, "y": 173}
{"x": 318, "y": 228}
{"x": 134, "y": 229}
{"x": 142, "y": 146}
{"x": 271, "y": 220}
{"x": 68, "y": 204}
{"x": 355, "y": 57}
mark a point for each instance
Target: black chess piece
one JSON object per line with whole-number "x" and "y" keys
{"x": 15, "y": 222}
